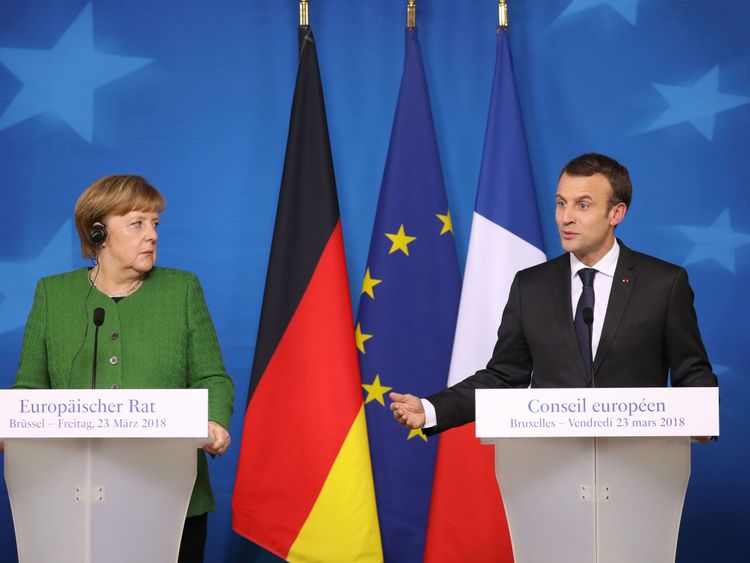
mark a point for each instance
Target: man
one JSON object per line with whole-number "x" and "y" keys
{"x": 643, "y": 328}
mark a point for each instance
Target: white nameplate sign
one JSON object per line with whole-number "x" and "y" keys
{"x": 635, "y": 411}
{"x": 90, "y": 413}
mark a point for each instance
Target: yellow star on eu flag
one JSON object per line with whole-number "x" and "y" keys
{"x": 416, "y": 432}
{"x": 360, "y": 338}
{"x": 447, "y": 223}
{"x": 375, "y": 391}
{"x": 368, "y": 283}
{"x": 400, "y": 241}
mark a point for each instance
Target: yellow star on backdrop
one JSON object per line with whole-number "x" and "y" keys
{"x": 416, "y": 432}
{"x": 400, "y": 241}
{"x": 360, "y": 338}
{"x": 375, "y": 391}
{"x": 447, "y": 223}
{"x": 368, "y": 283}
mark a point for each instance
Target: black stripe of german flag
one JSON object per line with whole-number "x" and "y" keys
{"x": 307, "y": 212}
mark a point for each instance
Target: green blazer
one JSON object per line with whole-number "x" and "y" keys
{"x": 161, "y": 336}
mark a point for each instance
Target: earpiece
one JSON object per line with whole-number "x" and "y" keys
{"x": 97, "y": 234}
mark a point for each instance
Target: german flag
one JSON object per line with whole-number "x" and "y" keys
{"x": 304, "y": 488}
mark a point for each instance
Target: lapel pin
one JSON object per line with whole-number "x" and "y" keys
{"x": 626, "y": 280}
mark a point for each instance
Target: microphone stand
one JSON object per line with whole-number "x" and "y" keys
{"x": 588, "y": 318}
{"x": 98, "y": 321}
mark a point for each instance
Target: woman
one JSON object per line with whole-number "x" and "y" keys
{"x": 157, "y": 329}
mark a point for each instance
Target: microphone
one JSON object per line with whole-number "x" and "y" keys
{"x": 98, "y": 321}
{"x": 588, "y": 318}
{"x": 99, "y": 316}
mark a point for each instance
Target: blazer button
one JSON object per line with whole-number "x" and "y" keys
{"x": 115, "y": 386}
{"x": 114, "y": 360}
{"x": 114, "y": 335}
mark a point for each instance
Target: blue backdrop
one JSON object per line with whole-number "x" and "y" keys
{"x": 196, "y": 97}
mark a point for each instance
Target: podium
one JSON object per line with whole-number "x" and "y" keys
{"x": 585, "y": 485}
{"x": 101, "y": 476}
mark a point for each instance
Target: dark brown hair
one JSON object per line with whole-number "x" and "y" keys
{"x": 592, "y": 163}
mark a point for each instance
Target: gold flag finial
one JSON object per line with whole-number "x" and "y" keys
{"x": 411, "y": 14}
{"x": 502, "y": 14}
{"x": 303, "y": 14}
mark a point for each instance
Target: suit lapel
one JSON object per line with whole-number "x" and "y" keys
{"x": 564, "y": 313}
{"x": 622, "y": 286}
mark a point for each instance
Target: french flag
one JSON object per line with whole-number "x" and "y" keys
{"x": 467, "y": 521}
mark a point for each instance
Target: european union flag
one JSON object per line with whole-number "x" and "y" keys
{"x": 407, "y": 312}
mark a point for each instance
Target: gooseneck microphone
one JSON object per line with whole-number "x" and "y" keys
{"x": 588, "y": 318}
{"x": 98, "y": 321}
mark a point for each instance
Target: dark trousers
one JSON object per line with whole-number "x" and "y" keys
{"x": 193, "y": 541}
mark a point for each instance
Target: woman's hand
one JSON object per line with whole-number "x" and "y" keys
{"x": 219, "y": 437}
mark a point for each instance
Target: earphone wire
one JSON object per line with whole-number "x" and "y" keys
{"x": 92, "y": 284}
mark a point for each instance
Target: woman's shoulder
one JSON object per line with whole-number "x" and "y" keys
{"x": 171, "y": 276}
{"x": 171, "y": 284}
{"x": 66, "y": 279}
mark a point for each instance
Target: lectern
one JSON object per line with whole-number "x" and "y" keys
{"x": 594, "y": 475}
{"x": 101, "y": 476}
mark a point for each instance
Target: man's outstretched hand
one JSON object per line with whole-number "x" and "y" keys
{"x": 407, "y": 410}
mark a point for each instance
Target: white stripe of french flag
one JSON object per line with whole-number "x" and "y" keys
{"x": 495, "y": 255}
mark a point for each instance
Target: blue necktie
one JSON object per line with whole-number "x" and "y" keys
{"x": 583, "y": 330}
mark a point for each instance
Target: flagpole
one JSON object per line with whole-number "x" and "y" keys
{"x": 411, "y": 15}
{"x": 303, "y": 14}
{"x": 502, "y": 15}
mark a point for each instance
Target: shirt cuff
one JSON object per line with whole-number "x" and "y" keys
{"x": 429, "y": 414}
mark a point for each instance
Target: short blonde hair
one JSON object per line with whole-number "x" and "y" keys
{"x": 109, "y": 196}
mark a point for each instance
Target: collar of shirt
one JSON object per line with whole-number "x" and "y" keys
{"x": 606, "y": 265}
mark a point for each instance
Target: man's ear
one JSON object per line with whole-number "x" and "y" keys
{"x": 617, "y": 214}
